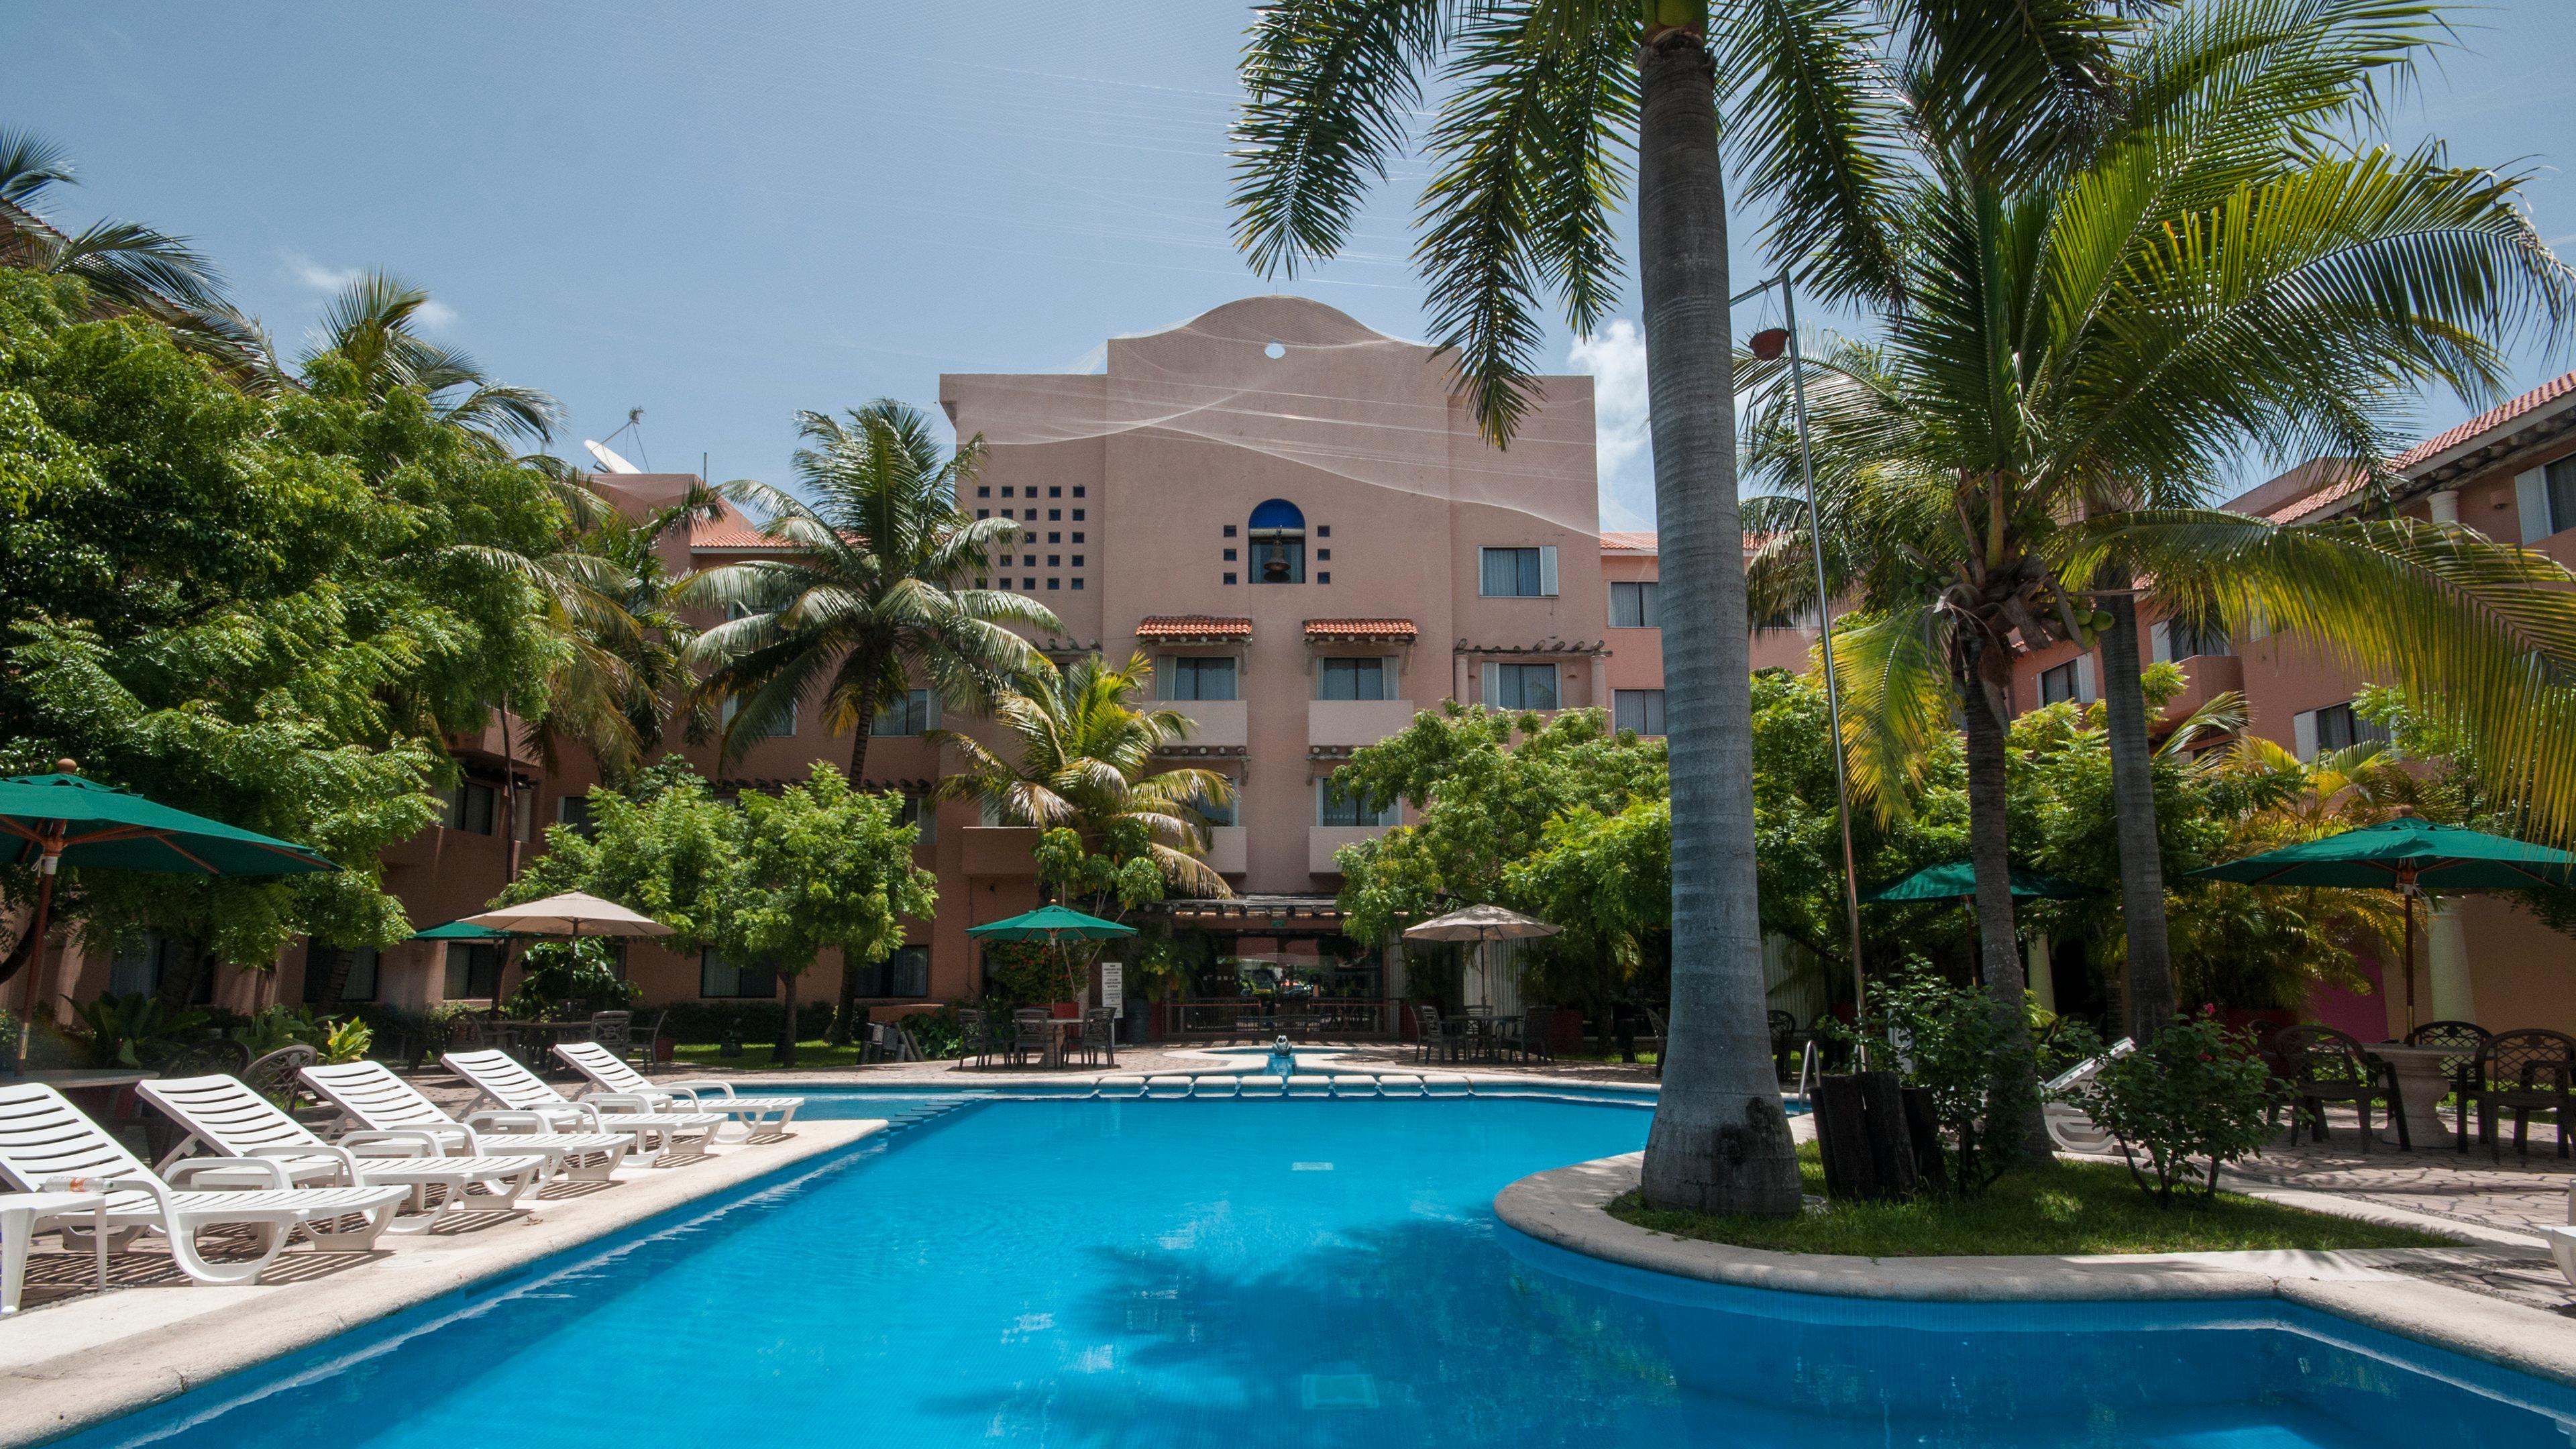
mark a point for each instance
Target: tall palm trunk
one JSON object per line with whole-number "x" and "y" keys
{"x": 1982, "y": 686}
{"x": 848, "y": 1002}
{"x": 2133, "y": 799}
{"x": 1720, "y": 1142}
{"x": 787, "y": 1032}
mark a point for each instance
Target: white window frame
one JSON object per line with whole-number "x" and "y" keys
{"x": 1546, "y": 570}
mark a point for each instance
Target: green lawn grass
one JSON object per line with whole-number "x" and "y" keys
{"x": 2043, "y": 1208}
{"x": 817, "y": 1053}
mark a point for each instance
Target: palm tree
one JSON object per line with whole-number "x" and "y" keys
{"x": 2065, "y": 370}
{"x": 868, "y": 596}
{"x": 1548, "y": 101}
{"x": 128, "y": 267}
{"x": 370, "y": 345}
{"x": 1084, "y": 761}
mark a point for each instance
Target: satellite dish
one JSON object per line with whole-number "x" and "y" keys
{"x": 608, "y": 459}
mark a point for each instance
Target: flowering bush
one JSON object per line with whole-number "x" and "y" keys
{"x": 2191, "y": 1101}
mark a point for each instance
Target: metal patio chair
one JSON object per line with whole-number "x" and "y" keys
{"x": 2324, "y": 1065}
{"x": 2525, "y": 1071}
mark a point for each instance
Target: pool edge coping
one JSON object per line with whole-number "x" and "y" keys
{"x": 1567, "y": 1207}
{"x": 87, "y": 1386}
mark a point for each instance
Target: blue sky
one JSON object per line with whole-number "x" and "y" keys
{"x": 724, "y": 214}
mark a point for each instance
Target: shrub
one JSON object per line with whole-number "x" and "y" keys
{"x": 554, "y": 974}
{"x": 1956, "y": 1042}
{"x": 2196, "y": 1093}
{"x": 116, "y": 1030}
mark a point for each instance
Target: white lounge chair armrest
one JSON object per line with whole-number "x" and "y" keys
{"x": 695, "y": 1085}
{"x": 502, "y": 1124}
{"x": 102, "y": 1183}
{"x": 606, "y": 1102}
{"x": 178, "y": 1173}
{"x": 415, "y": 1142}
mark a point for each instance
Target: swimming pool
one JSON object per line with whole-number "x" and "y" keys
{"x": 1179, "y": 1274}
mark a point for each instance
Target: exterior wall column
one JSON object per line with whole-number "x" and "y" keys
{"x": 1601, "y": 684}
{"x": 2446, "y": 949}
{"x": 2446, "y": 506}
{"x": 2035, "y": 970}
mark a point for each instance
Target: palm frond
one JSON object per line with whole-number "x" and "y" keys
{"x": 1896, "y": 699}
{"x": 1329, "y": 90}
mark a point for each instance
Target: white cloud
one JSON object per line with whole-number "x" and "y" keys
{"x": 319, "y": 277}
{"x": 431, "y": 316}
{"x": 1616, "y": 359}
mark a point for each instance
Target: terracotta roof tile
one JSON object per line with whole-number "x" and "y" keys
{"x": 2440, "y": 443}
{"x": 1192, "y": 626}
{"x": 734, "y": 531}
{"x": 1628, "y": 541}
{"x": 2431, "y": 448}
{"x": 1361, "y": 629}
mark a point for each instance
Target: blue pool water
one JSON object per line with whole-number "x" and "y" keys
{"x": 1284, "y": 1275}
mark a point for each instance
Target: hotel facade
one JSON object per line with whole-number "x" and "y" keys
{"x": 1297, "y": 524}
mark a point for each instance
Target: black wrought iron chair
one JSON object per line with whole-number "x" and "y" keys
{"x": 974, "y": 1037}
{"x": 640, "y": 1044}
{"x": 613, "y": 1030}
{"x": 1031, "y": 1030}
{"x": 273, "y": 1076}
{"x": 1538, "y": 1030}
{"x": 2524, "y": 1071}
{"x": 1655, "y": 1019}
{"x": 2468, "y": 1036}
{"x": 1784, "y": 1043}
{"x": 1434, "y": 1039}
{"x": 1100, "y": 1037}
{"x": 2320, "y": 1065}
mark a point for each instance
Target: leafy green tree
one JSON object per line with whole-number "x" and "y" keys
{"x": 1116, "y": 833}
{"x": 2071, "y": 359}
{"x": 127, "y": 266}
{"x": 252, "y": 607}
{"x": 1544, "y": 106}
{"x": 824, "y": 867}
{"x": 871, "y": 593}
{"x": 1501, "y": 799}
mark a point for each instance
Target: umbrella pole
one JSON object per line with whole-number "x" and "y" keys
{"x": 2406, "y": 897}
{"x": 31, "y": 993}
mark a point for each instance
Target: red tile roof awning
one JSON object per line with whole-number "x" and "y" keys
{"x": 1629, "y": 541}
{"x": 1328, "y": 629}
{"x": 1192, "y": 626}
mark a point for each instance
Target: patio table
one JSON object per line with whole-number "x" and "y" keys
{"x": 530, "y": 1040}
{"x": 2420, "y": 1088}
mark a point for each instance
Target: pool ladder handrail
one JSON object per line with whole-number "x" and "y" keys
{"x": 1335, "y": 1085}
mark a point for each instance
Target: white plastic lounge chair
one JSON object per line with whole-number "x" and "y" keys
{"x": 228, "y": 1119}
{"x": 2068, "y": 1127}
{"x": 46, "y": 1145}
{"x": 662, "y": 1139}
{"x": 762, "y": 1119}
{"x": 370, "y": 1096}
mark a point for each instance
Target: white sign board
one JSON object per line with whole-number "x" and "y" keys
{"x": 1113, "y": 985}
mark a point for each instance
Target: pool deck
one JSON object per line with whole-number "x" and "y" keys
{"x": 2384, "y": 1288}
{"x": 94, "y": 1356}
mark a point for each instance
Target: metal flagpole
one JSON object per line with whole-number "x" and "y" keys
{"x": 1825, "y": 635}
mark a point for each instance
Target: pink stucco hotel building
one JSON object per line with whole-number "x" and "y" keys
{"x": 1298, "y": 523}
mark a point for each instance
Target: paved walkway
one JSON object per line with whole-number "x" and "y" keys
{"x": 2516, "y": 1196}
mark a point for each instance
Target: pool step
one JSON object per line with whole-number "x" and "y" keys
{"x": 1174, "y": 1086}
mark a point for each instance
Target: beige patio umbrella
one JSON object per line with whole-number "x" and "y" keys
{"x": 1480, "y": 924}
{"x": 572, "y": 913}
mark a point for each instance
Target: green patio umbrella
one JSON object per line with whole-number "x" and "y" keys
{"x": 47, "y": 820}
{"x": 462, "y": 931}
{"x": 2409, "y": 855}
{"x": 1957, "y": 880}
{"x": 1053, "y": 925}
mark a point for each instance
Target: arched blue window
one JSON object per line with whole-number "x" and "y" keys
{"x": 1277, "y": 536}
